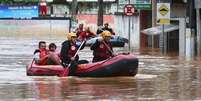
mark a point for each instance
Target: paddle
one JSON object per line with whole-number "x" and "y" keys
{"x": 65, "y": 72}
{"x": 111, "y": 51}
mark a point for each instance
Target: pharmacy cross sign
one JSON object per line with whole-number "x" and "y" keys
{"x": 129, "y": 10}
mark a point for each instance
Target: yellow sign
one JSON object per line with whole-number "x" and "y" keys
{"x": 163, "y": 21}
{"x": 163, "y": 10}
{"x": 163, "y": 13}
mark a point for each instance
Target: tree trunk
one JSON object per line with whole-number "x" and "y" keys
{"x": 100, "y": 13}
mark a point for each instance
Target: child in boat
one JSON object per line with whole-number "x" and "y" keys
{"x": 102, "y": 49}
{"x": 55, "y": 58}
{"x": 41, "y": 55}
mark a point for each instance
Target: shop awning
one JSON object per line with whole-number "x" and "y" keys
{"x": 158, "y": 29}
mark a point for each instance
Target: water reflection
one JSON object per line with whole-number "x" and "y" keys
{"x": 85, "y": 88}
{"x": 160, "y": 78}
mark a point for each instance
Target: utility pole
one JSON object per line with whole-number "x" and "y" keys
{"x": 100, "y": 13}
{"x": 74, "y": 9}
{"x": 73, "y": 14}
{"x": 197, "y": 6}
{"x": 153, "y": 19}
{"x": 191, "y": 25}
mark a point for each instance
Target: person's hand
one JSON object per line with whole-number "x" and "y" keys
{"x": 113, "y": 54}
{"x": 72, "y": 58}
{"x": 100, "y": 39}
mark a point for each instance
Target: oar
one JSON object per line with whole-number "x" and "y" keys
{"x": 65, "y": 72}
{"x": 111, "y": 51}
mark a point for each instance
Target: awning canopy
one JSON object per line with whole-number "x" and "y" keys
{"x": 159, "y": 29}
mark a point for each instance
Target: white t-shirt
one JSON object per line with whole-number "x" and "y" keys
{"x": 36, "y": 57}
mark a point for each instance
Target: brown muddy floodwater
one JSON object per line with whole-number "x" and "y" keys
{"x": 160, "y": 78}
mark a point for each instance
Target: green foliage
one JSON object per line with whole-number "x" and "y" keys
{"x": 6, "y": 1}
{"x": 17, "y": 1}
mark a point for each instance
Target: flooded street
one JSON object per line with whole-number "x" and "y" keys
{"x": 160, "y": 78}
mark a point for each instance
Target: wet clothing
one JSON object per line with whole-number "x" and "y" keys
{"x": 85, "y": 35}
{"x": 68, "y": 50}
{"x": 40, "y": 54}
{"x": 79, "y": 31}
{"x": 100, "y": 51}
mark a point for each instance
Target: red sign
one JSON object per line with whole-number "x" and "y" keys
{"x": 129, "y": 10}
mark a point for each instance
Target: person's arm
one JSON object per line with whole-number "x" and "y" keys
{"x": 113, "y": 32}
{"x": 92, "y": 34}
{"x": 64, "y": 51}
{"x": 100, "y": 30}
{"x": 36, "y": 57}
{"x": 95, "y": 45}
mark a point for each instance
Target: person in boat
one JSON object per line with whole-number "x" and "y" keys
{"x": 105, "y": 28}
{"x": 102, "y": 49}
{"x": 53, "y": 53}
{"x": 80, "y": 29}
{"x": 42, "y": 56}
{"x": 68, "y": 50}
{"x": 86, "y": 34}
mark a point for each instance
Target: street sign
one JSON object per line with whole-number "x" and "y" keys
{"x": 143, "y": 6}
{"x": 129, "y": 10}
{"x": 163, "y": 13}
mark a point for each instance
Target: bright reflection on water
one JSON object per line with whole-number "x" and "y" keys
{"x": 160, "y": 78}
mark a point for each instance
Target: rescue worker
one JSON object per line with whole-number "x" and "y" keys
{"x": 105, "y": 28}
{"x": 86, "y": 34}
{"x": 68, "y": 50}
{"x": 80, "y": 29}
{"x": 42, "y": 56}
{"x": 102, "y": 49}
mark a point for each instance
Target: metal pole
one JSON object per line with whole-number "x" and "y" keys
{"x": 198, "y": 31}
{"x": 163, "y": 48}
{"x": 129, "y": 33}
{"x": 129, "y": 24}
{"x": 153, "y": 20}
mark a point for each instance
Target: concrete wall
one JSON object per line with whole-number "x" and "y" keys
{"x": 39, "y": 29}
{"x": 178, "y": 11}
{"x": 83, "y": 8}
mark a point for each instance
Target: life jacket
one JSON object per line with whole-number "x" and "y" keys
{"x": 43, "y": 53}
{"x": 85, "y": 35}
{"x": 102, "y": 51}
{"x": 73, "y": 49}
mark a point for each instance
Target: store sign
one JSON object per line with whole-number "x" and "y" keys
{"x": 91, "y": 0}
{"x": 142, "y": 1}
{"x": 163, "y": 13}
{"x": 143, "y": 4}
{"x": 18, "y": 11}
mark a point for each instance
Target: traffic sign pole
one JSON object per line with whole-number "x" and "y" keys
{"x": 129, "y": 33}
{"x": 163, "y": 18}
{"x": 163, "y": 48}
{"x": 129, "y": 10}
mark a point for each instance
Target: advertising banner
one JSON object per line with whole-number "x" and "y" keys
{"x": 18, "y": 11}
